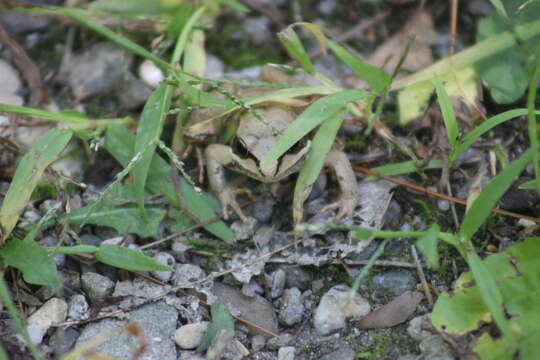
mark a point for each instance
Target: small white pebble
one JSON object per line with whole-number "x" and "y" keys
{"x": 150, "y": 73}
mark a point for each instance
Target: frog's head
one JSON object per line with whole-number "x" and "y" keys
{"x": 255, "y": 137}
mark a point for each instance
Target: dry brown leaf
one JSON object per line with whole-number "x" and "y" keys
{"x": 394, "y": 313}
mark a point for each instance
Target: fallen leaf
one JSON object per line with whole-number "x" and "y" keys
{"x": 394, "y": 313}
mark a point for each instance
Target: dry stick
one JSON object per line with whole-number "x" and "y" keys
{"x": 439, "y": 195}
{"x": 422, "y": 276}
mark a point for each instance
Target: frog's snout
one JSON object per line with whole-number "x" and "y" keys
{"x": 270, "y": 170}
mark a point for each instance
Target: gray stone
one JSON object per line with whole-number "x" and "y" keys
{"x": 415, "y": 328}
{"x": 96, "y": 286}
{"x": 277, "y": 283}
{"x": 131, "y": 91}
{"x": 105, "y": 61}
{"x": 434, "y": 346}
{"x": 344, "y": 352}
{"x": 62, "y": 341}
{"x": 187, "y": 273}
{"x": 156, "y": 321}
{"x": 263, "y": 210}
{"x": 335, "y": 308}
{"x": 23, "y": 22}
{"x": 78, "y": 308}
{"x": 52, "y": 312}
{"x": 279, "y": 341}
{"x": 292, "y": 308}
{"x": 326, "y": 7}
{"x": 255, "y": 309}
{"x": 286, "y": 353}
{"x": 443, "y": 205}
{"x": 244, "y": 230}
{"x": 298, "y": 277}
{"x": 190, "y": 336}
{"x": 257, "y": 343}
{"x": 257, "y": 28}
{"x": 90, "y": 239}
{"x": 214, "y": 67}
{"x": 393, "y": 282}
{"x": 167, "y": 260}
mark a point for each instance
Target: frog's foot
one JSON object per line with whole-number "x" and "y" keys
{"x": 227, "y": 198}
{"x": 344, "y": 205}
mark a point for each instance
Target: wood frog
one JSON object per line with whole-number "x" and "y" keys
{"x": 256, "y": 133}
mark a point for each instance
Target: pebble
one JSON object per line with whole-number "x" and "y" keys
{"x": 187, "y": 273}
{"x": 244, "y": 230}
{"x": 78, "y": 308}
{"x": 298, "y": 277}
{"x": 415, "y": 328}
{"x": 190, "y": 336}
{"x": 150, "y": 74}
{"x": 157, "y": 323}
{"x": 257, "y": 343}
{"x": 62, "y": 341}
{"x": 277, "y": 283}
{"x": 286, "y": 353}
{"x": 434, "y": 347}
{"x": 263, "y": 210}
{"x": 131, "y": 91}
{"x": 393, "y": 282}
{"x": 214, "y": 67}
{"x": 344, "y": 352}
{"x": 335, "y": 308}
{"x": 52, "y": 312}
{"x": 275, "y": 343}
{"x": 326, "y": 7}
{"x": 23, "y": 22}
{"x": 257, "y": 28}
{"x": 443, "y": 205}
{"x": 96, "y": 286}
{"x": 167, "y": 260}
{"x": 292, "y": 308}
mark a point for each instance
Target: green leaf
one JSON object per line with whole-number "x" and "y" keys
{"x": 294, "y": 47}
{"x": 135, "y": 7}
{"x": 321, "y": 110}
{"x": 28, "y": 174}
{"x": 481, "y": 129}
{"x": 427, "y": 244}
{"x": 125, "y": 258}
{"x": 376, "y": 78}
{"x": 517, "y": 277}
{"x": 148, "y": 132}
{"x": 322, "y": 142}
{"x": 31, "y": 260}
{"x": 406, "y": 167}
{"x": 119, "y": 142}
{"x": 449, "y": 118}
{"x": 500, "y": 7}
{"x": 479, "y": 210}
{"x": 221, "y": 320}
{"x": 76, "y": 249}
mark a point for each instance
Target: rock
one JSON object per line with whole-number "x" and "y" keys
{"x": 96, "y": 286}
{"x": 286, "y": 353}
{"x": 263, "y": 236}
{"x": 277, "y": 283}
{"x": 62, "y": 341}
{"x": 9, "y": 86}
{"x": 393, "y": 282}
{"x": 263, "y": 210}
{"x": 90, "y": 239}
{"x": 187, "y": 273}
{"x": 190, "y": 336}
{"x": 335, "y": 308}
{"x": 434, "y": 347}
{"x": 244, "y": 230}
{"x": 167, "y": 260}
{"x": 214, "y": 67}
{"x": 415, "y": 328}
{"x": 326, "y": 7}
{"x": 257, "y": 343}
{"x": 443, "y": 205}
{"x": 292, "y": 308}
{"x": 150, "y": 74}
{"x": 344, "y": 352}
{"x": 131, "y": 91}
{"x": 298, "y": 277}
{"x": 282, "y": 340}
{"x": 78, "y": 308}
{"x": 257, "y": 28}
{"x": 23, "y": 22}
{"x": 255, "y": 309}
{"x": 252, "y": 288}
{"x": 52, "y": 312}
{"x": 106, "y": 62}
{"x": 156, "y": 321}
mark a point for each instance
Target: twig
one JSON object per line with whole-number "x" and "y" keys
{"x": 422, "y": 276}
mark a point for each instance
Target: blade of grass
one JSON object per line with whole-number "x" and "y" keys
{"x": 27, "y": 175}
{"x": 322, "y": 142}
{"x": 376, "y": 78}
{"x": 405, "y": 167}
{"x": 296, "y": 50}
{"x": 449, "y": 117}
{"x": 481, "y": 129}
{"x": 531, "y": 117}
{"x": 321, "y": 110}
{"x": 481, "y": 207}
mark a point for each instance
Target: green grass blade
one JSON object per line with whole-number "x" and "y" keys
{"x": 449, "y": 117}
{"x": 500, "y": 7}
{"x": 479, "y": 210}
{"x": 294, "y": 47}
{"x": 148, "y": 132}
{"x": 490, "y": 291}
{"x": 82, "y": 17}
{"x": 129, "y": 259}
{"x": 182, "y": 38}
{"x": 322, "y": 143}
{"x": 533, "y": 126}
{"x": 321, "y": 110}
{"x": 5, "y": 299}
{"x": 119, "y": 142}
{"x": 27, "y": 175}
{"x": 406, "y": 167}
{"x": 484, "y": 127}
{"x": 376, "y": 78}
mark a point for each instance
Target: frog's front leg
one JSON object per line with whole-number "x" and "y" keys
{"x": 346, "y": 203}
{"x": 218, "y": 156}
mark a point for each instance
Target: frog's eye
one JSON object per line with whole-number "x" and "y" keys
{"x": 240, "y": 148}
